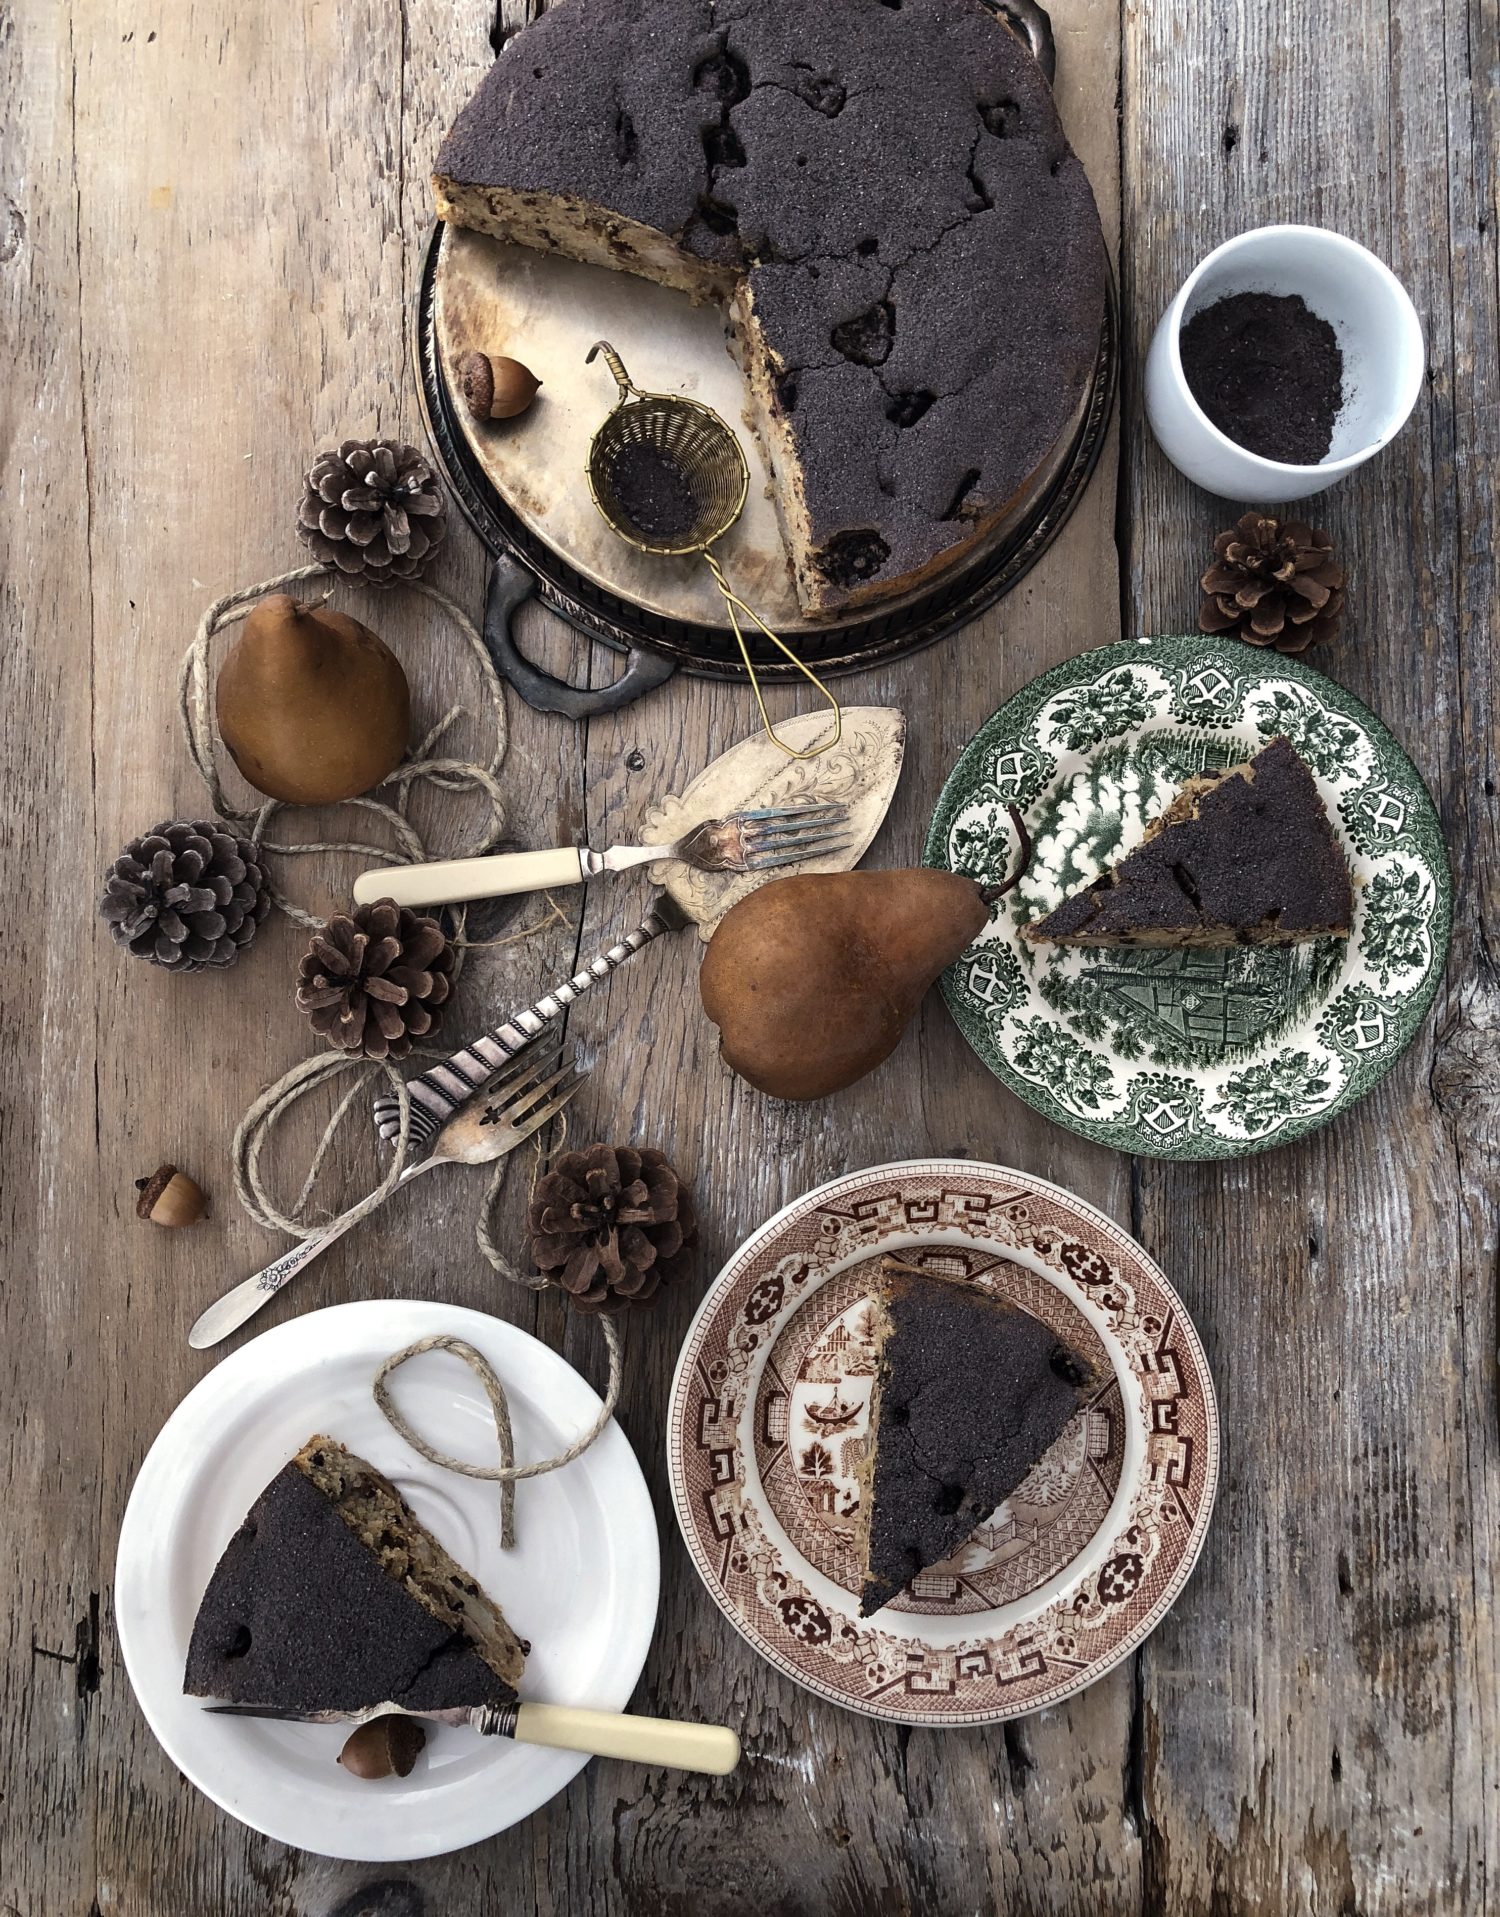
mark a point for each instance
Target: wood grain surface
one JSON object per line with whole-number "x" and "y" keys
{"x": 211, "y": 221}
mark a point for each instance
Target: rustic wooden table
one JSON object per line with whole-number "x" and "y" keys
{"x": 210, "y": 230}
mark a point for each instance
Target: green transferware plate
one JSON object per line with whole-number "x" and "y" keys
{"x": 1189, "y": 1053}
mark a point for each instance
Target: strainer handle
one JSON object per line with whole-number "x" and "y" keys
{"x": 510, "y": 586}
{"x": 627, "y": 386}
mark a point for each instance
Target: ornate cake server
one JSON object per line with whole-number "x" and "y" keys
{"x": 859, "y": 775}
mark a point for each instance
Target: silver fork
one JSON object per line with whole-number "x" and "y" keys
{"x": 752, "y": 841}
{"x": 493, "y": 1122}
{"x": 438, "y": 1092}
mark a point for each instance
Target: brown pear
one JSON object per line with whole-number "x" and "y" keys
{"x": 811, "y": 980}
{"x": 313, "y": 706}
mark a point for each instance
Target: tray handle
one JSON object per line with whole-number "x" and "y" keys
{"x": 511, "y": 584}
{"x": 1034, "y": 25}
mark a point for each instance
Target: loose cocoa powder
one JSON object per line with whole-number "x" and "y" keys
{"x": 1268, "y": 372}
{"x": 652, "y": 489}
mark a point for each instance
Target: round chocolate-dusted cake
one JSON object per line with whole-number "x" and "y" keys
{"x": 880, "y": 193}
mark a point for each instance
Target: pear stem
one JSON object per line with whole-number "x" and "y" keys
{"x": 990, "y": 893}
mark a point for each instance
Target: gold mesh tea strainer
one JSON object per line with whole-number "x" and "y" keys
{"x": 669, "y": 477}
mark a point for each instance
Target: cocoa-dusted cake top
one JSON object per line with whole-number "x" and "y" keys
{"x": 1248, "y": 855}
{"x": 300, "y": 1614}
{"x": 925, "y": 265}
{"x": 972, "y": 1390}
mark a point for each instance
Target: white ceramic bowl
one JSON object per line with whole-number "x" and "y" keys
{"x": 1379, "y": 336}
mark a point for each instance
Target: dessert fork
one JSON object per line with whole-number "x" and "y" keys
{"x": 486, "y": 1126}
{"x": 438, "y": 1092}
{"x": 710, "y": 1748}
{"x": 752, "y": 841}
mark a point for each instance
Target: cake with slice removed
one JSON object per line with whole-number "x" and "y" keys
{"x": 970, "y": 1391}
{"x": 1243, "y": 856}
{"x": 332, "y": 1596}
{"x": 883, "y": 199}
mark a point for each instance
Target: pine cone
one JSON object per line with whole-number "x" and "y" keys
{"x": 612, "y": 1225}
{"x": 186, "y": 894}
{"x": 1273, "y": 583}
{"x": 374, "y": 980}
{"x": 373, "y": 508}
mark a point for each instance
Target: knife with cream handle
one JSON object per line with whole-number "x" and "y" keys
{"x": 712, "y": 1749}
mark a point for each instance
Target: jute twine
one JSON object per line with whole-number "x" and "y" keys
{"x": 423, "y": 765}
{"x": 507, "y": 1473}
{"x": 255, "y": 1129}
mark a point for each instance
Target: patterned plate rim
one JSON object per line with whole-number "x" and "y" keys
{"x": 1008, "y": 721}
{"x": 687, "y": 1398}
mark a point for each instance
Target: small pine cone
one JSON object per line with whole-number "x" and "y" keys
{"x": 374, "y": 509}
{"x": 612, "y": 1225}
{"x": 186, "y": 895}
{"x": 374, "y": 980}
{"x": 1273, "y": 583}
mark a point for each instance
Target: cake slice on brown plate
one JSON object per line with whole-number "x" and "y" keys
{"x": 970, "y": 1391}
{"x": 1245, "y": 856}
{"x": 332, "y": 1596}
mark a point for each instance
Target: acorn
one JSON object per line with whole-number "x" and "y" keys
{"x": 496, "y": 388}
{"x": 386, "y": 1746}
{"x": 169, "y": 1197}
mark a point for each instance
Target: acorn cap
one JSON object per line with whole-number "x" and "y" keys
{"x": 497, "y": 388}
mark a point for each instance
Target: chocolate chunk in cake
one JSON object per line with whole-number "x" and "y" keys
{"x": 331, "y": 1596}
{"x": 883, "y": 197}
{"x": 970, "y": 1391}
{"x": 1246, "y": 856}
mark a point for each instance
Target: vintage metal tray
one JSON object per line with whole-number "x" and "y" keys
{"x": 546, "y": 541}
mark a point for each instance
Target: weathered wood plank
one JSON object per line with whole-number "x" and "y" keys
{"x": 240, "y": 312}
{"x": 49, "y": 1303}
{"x": 1318, "y": 1720}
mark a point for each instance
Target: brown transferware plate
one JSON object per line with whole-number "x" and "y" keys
{"x": 769, "y": 1421}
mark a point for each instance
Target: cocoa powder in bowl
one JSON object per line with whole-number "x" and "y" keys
{"x": 1268, "y": 372}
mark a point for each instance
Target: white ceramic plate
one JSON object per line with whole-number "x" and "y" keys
{"x": 769, "y": 1421}
{"x": 581, "y": 1583}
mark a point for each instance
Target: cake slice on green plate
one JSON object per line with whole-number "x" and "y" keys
{"x": 332, "y": 1596}
{"x": 970, "y": 1391}
{"x": 1245, "y": 856}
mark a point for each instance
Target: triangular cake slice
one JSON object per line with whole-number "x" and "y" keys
{"x": 970, "y": 1391}
{"x": 332, "y": 1596}
{"x": 1246, "y": 856}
